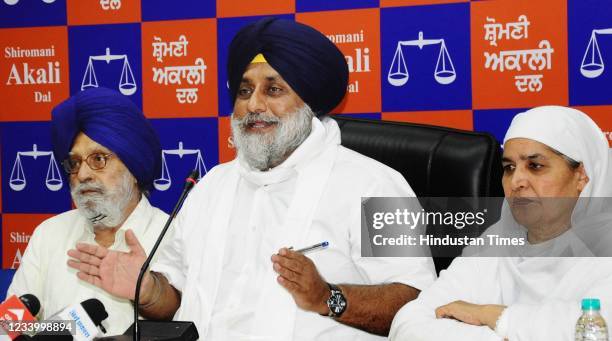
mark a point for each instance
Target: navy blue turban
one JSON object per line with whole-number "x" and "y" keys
{"x": 311, "y": 64}
{"x": 114, "y": 121}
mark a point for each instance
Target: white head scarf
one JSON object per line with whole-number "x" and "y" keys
{"x": 574, "y": 134}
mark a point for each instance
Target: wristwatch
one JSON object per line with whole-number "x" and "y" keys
{"x": 336, "y": 301}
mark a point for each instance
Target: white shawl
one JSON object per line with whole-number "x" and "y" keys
{"x": 313, "y": 161}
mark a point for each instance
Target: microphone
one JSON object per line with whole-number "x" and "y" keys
{"x": 24, "y": 337}
{"x": 160, "y": 330}
{"x": 14, "y": 309}
{"x": 87, "y": 316}
{"x": 31, "y": 303}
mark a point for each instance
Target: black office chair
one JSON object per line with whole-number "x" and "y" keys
{"x": 436, "y": 162}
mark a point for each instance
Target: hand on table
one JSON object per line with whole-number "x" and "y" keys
{"x": 474, "y": 314}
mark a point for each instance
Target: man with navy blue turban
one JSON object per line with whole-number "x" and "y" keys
{"x": 111, "y": 155}
{"x": 230, "y": 267}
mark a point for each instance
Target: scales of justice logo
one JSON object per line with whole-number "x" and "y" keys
{"x": 54, "y": 182}
{"x": 18, "y": 181}
{"x": 444, "y": 72}
{"x": 127, "y": 82}
{"x": 592, "y": 65}
{"x": 105, "y": 4}
{"x": 14, "y": 2}
{"x": 164, "y": 182}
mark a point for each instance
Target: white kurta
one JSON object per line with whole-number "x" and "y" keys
{"x": 542, "y": 294}
{"x": 542, "y": 298}
{"x": 236, "y": 218}
{"x": 44, "y": 271}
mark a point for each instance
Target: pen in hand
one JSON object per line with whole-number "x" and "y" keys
{"x": 314, "y": 247}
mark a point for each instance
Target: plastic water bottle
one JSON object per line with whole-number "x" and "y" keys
{"x": 591, "y": 326}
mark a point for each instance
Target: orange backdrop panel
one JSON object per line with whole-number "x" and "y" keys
{"x": 167, "y": 97}
{"x": 32, "y": 84}
{"x": 16, "y": 231}
{"x": 459, "y": 119}
{"x": 86, "y": 12}
{"x": 602, "y": 115}
{"x": 227, "y": 152}
{"x": 236, "y": 8}
{"x": 494, "y": 86}
{"x": 362, "y": 28}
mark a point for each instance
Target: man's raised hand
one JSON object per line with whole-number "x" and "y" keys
{"x": 114, "y": 271}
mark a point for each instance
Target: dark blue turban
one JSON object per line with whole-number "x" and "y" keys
{"x": 310, "y": 63}
{"x": 114, "y": 121}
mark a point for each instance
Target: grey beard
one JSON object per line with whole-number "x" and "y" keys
{"x": 104, "y": 209}
{"x": 265, "y": 151}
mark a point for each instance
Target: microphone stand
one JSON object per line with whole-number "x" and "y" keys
{"x": 189, "y": 183}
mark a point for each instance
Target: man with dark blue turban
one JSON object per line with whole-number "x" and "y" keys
{"x": 111, "y": 155}
{"x": 311, "y": 64}
{"x": 230, "y": 268}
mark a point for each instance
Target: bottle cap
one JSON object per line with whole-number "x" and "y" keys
{"x": 591, "y": 304}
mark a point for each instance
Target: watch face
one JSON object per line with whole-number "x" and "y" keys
{"x": 337, "y": 303}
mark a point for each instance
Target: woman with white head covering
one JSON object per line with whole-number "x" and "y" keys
{"x": 549, "y": 152}
{"x": 557, "y": 175}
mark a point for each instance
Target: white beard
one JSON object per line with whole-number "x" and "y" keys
{"x": 105, "y": 208}
{"x": 265, "y": 151}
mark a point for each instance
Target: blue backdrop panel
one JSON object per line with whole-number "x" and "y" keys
{"x": 187, "y": 144}
{"x": 108, "y": 56}
{"x": 322, "y": 5}
{"x": 425, "y": 53}
{"x": 590, "y": 51}
{"x": 32, "y": 180}
{"x": 20, "y": 13}
{"x": 495, "y": 122}
{"x": 369, "y": 116}
{"x": 6, "y": 276}
{"x": 177, "y": 9}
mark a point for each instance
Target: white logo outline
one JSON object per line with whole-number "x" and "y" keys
{"x": 14, "y": 2}
{"x": 53, "y": 180}
{"x": 442, "y": 75}
{"x": 164, "y": 182}
{"x": 127, "y": 83}
{"x": 595, "y": 66}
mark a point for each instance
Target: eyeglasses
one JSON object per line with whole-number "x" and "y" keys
{"x": 95, "y": 161}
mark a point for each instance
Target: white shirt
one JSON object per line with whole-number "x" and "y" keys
{"x": 542, "y": 296}
{"x": 236, "y": 218}
{"x": 45, "y": 274}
